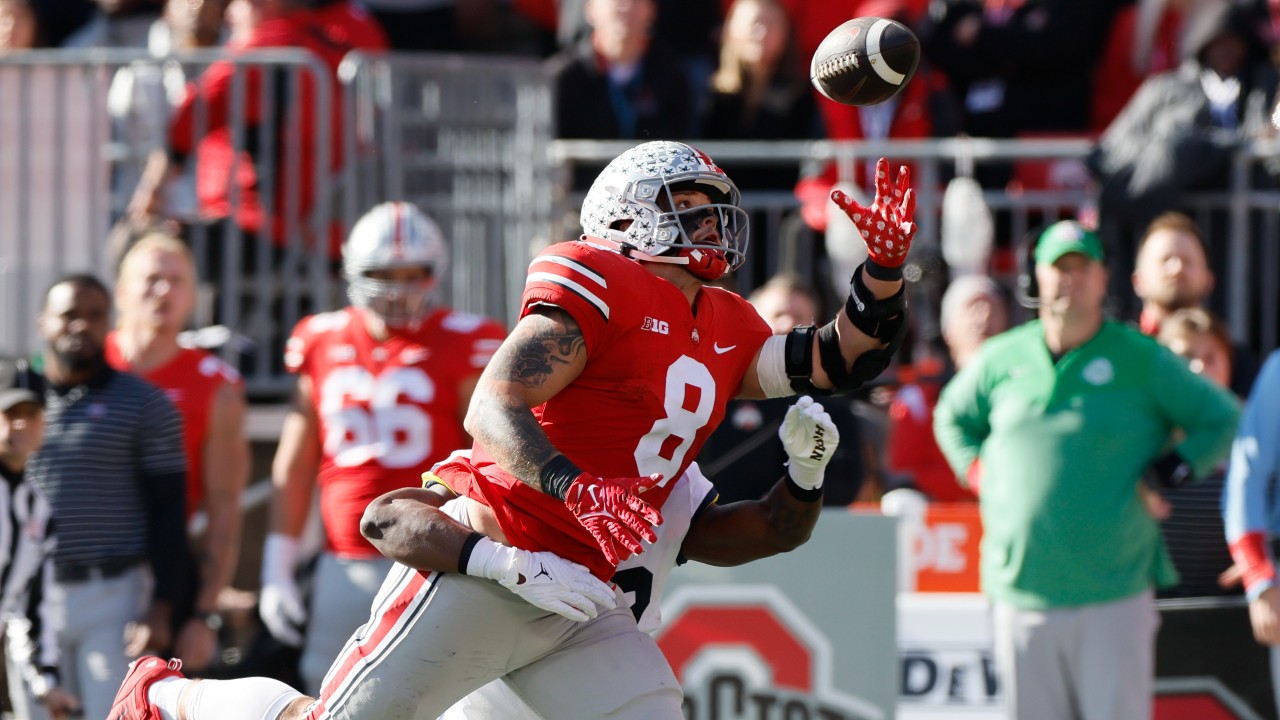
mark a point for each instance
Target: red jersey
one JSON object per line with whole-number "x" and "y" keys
{"x": 348, "y": 24}
{"x": 191, "y": 379}
{"x": 655, "y": 385}
{"x": 387, "y": 410}
{"x": 329, "y": 34}
{"x": 913, "y": 449}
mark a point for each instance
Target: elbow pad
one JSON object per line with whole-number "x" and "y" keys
{"x": 799, "y": 361}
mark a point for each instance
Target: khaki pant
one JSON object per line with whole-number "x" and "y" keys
{"x": 91, "y": 659}
{"x": 1092, "y": 662}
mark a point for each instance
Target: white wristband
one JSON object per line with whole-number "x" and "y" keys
{"x": 279, "y": 558}
{"x": 489, "y": 560}
{"x": 804, "y": 477}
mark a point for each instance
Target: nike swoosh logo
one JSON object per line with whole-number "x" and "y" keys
{"x": 721, "y": 350}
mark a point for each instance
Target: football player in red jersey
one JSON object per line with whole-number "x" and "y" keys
{"x": 422, "y": 529}
{"x": 383, "y": 386}
{"x": 591, "y": 410}
{"x": 155, "y": 296}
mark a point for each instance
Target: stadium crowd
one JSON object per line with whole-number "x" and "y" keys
{"x": 1166, "y": 91}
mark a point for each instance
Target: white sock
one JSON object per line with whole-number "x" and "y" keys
{"x": 253, "y": 698}
{"x": 164, "y": 695}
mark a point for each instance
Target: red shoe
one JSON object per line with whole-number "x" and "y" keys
{"x": 131, "y": 702}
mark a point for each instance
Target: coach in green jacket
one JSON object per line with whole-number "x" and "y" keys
{"x": 1054, "y": 424}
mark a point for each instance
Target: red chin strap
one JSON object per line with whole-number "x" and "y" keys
{"x": 705, "y": 263}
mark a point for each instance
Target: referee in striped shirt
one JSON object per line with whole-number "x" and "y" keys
{"x": 112, "y": 465}
{"x": 26, "y": 546}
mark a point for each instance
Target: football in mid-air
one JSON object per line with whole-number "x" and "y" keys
{"x": 865, "y": 61}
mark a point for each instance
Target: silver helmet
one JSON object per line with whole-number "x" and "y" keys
{"x": 393, "y": 235}
{"x": 631, "y": 203}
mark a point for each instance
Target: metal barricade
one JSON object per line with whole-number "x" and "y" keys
{"x": 465, "y": 139}
{"x": 76, "y": 127}
{"x": 469, "y": 140}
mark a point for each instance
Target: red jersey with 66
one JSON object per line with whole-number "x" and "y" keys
{"x": 386, "y": 410}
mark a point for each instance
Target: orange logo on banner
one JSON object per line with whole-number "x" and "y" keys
{"x": 946, "y": 551}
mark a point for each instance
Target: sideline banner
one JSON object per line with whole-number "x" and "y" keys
{"x": 806, "y": 634}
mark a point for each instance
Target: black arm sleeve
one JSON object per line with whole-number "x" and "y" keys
{"x": 167, "y": 532}
{"x": 162, "y": 475}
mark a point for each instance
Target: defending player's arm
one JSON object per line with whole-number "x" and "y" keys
{"x": 740, "y": 532}
{"x": 544, "y": 353}
{"x": 860, "y": 342}
{"x": 293, "y": 472}
{"x": 407, "y": 526}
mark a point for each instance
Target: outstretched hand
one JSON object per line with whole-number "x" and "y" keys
{"x": 613, "y": 512}
{"x": 887, "y": 226}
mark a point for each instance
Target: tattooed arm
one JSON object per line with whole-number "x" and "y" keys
{"x": 538, "y": 359}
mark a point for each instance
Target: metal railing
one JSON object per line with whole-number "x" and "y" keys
{"x": 469, "y": 140}
{"x": 76, "y": 129}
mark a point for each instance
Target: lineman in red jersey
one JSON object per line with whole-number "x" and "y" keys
{"x": 155, "y": 296}
{"x": 660, "y": 221}
{"x": 382, "y": 389}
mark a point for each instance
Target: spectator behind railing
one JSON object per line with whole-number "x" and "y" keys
{"x": 1018, "y": 68}
{"x": 142, "y": 99}
{"x": 227, "y": 183}
{"x": 621, "y": 81}
{"x": 1171, "y": 273}
{"x": 19, "y": 26}
{"x": 689, "y": 28}
{"x": 974, "y": 308}
{"x": 112, "y": 23}
{"x": 1191, "y": 515}
{"x": 1181, "y": 129}
{"x": 760, "y": 90}
{"x": 1142, "y": 40}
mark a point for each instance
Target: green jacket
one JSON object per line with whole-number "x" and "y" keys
{"x": 1063, "y": 447}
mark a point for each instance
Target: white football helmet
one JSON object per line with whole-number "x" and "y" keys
{"x": 393, "y": 235}
{"x": 637, "y": 185}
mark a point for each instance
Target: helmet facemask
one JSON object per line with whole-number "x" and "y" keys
{"x": 711, "y": 237}
{"x": 631, "y": 203}
{"x": 398, "y": 303}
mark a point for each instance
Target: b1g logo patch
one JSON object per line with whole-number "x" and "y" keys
{"x": 748, "y": 652}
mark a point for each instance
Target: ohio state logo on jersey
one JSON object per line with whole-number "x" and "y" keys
{"x": 741, "y": 646}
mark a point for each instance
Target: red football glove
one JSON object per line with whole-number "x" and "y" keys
{"x": 612, "y": 511}
{"x": 886, "y": 227}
